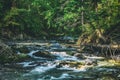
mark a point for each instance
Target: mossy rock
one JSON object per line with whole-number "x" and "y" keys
{"x": 22, "y": 57}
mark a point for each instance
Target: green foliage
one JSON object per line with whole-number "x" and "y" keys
{"x": 47, "y": 17}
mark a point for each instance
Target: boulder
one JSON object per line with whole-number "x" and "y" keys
{"x": 79, "y": 56}
{"x": 45, "y": 54}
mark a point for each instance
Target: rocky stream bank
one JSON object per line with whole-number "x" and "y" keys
{"x": 55, "y": 61}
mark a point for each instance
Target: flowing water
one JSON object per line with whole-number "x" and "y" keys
{"x": 42, "y": 68}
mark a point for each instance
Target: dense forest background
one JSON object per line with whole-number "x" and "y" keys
{"x": 98, "y": 20}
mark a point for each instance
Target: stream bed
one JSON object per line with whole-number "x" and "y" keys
{"x": 57, "y": 64}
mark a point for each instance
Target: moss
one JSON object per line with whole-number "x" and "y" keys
{"x": 21, "y": 57}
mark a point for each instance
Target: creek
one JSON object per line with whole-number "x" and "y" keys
{"x": 59, "y": 65}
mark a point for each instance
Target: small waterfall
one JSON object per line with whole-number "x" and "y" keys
{"x": 32, "y": 52}
{"x": 28, "y": 64}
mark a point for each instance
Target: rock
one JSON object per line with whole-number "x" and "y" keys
{"x": 45, "y": 54}
{"x": 90, "y": 62}
{"x": 67, "y": 39}
{"x": 79, "y": 55}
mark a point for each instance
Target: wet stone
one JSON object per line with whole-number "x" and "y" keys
{"x": 80, "y": 56}
{"x": 45, "y": 54}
